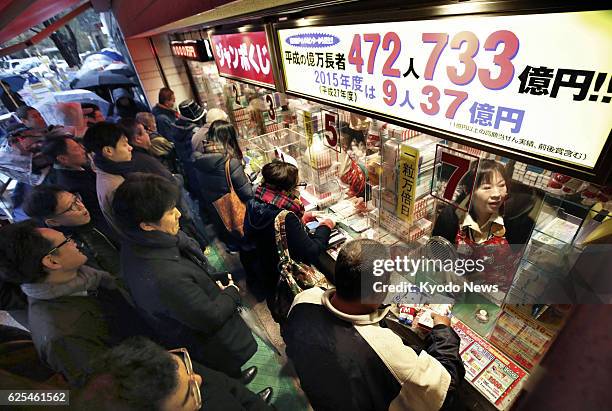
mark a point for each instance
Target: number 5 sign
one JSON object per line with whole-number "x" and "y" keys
{"x": 330, "y": 128}
{"x": 450, "y": 170}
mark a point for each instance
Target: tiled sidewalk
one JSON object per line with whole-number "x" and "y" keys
{"x": 273, "y": 370}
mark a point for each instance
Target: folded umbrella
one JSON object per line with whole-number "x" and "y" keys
{"x": 254, "y": 324}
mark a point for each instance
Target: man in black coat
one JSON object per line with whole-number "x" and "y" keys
{"x": 65, "y": 211}
{"x": 144, "y": 161}
{"x": 75, "y": 312}
{"x": 73, "y": 173}
{"x": 178, "y": 130}
{"x": 141, "y": 143}
{"x": 172, "y": 283}
{"x": 115, "y": 158}
{"x": 346, "y": 361}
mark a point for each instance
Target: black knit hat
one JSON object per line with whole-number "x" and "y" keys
{"x": 191, "y": 110}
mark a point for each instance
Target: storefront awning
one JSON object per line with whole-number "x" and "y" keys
{"x": 141, "y": 19}
{"x": 18, "y": 16}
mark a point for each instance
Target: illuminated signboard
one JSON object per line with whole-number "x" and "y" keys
{"x": 538, "y": 85}
{"x": 198, "y": 50}
{"x": 244, "y": 56}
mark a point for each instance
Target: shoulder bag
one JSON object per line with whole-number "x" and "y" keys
{"x": 230, "y": 208}
{"x": 294, "y": 277}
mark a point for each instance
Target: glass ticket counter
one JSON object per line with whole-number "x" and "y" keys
{"x": 411, "y": 190}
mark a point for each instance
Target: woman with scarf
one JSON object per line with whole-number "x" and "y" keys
{"x": 279, "y": 191}
{"x": 221, "y": 147}
{"x": 180, "y": 297}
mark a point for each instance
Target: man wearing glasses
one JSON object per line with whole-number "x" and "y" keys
{"x": 58, "y": 208}
{"x": 75, "y": 312}
{"x": 124, "y": 377}
{"x": 73, "y": 172}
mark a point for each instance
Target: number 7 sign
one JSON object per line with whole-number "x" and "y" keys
{"x": 450, "y": 169}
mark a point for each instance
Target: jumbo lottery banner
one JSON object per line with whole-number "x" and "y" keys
{"x": 537, "y": 83}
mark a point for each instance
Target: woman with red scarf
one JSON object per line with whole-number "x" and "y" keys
{"x": 279, "y": 191}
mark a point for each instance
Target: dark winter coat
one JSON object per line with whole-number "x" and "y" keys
{"x": 259, "y": 230}
{"x": 222, "y": 393}
{"x": 211, "y": 173}
{"x": 210, "y": 169}
{"x": 174, "y": 288}
{"x": 350, "y": 362}
{"x": 179, "y": 132}
{"x": 13, "y": 300}
{"x": 101, "y": 251}
{"x": 70, "y": 331}
{"x": 84, "y": 183}
{"x": 145, "y": 162}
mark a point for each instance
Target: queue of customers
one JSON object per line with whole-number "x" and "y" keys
{"x": 109, "y": 275}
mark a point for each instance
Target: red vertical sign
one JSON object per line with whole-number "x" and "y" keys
{"x": 244, "y": 56}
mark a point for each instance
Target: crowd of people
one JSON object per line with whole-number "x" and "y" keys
{"x": 105, "y": 268}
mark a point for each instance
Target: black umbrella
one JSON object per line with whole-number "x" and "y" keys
{"x": 102, "y": 79}
{"x": 124, "y": 71}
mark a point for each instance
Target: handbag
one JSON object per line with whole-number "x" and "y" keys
{"x": 230, "y": 208}
{"x": 295, "y": 277}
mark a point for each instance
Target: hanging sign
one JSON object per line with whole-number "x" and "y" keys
{"x": 198, "y": 50}
{"x": 244, "y": 56}
{"x": 450, "y": 169}
{"x": 407, "y": 181}
{"x": 494, "y": 79}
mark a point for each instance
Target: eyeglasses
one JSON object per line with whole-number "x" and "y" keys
{"x": 63, "y": 243}
{"x": 76, "y": 205}
{"x": 193, "y": 385}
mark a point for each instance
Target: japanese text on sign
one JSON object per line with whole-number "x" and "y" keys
{"x": 244, "y": 55}
{"x": 407, "y": 181}
{"x": 494, "y": 79}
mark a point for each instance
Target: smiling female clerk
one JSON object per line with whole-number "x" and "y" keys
{"x": 481, "y": 232}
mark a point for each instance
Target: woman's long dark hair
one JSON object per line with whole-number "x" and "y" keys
{"x": 222, "y": 132}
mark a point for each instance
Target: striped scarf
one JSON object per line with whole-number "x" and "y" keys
{"x": 213, "y": 147}
{"x": 281, "y": 199}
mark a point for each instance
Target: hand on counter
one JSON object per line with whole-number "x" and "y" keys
{"x": 329, "y": 223}
{"x": 308, "y": 217}
{"x": 440, "y": 319}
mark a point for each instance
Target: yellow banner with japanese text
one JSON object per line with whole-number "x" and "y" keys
{"x": 407, "y": 181}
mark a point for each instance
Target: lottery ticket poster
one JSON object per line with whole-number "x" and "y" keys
{"x": 522, "y": 337}
{"x": 492, "y": 373}
{"x": 475, "y": 359}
